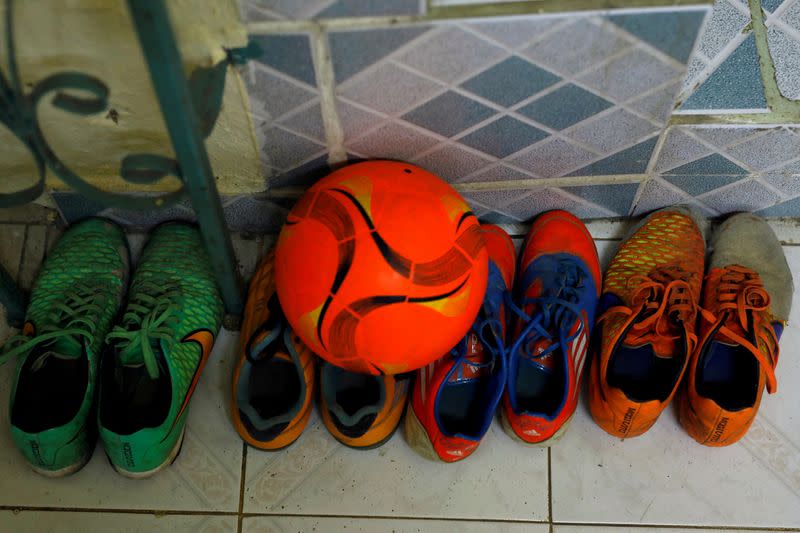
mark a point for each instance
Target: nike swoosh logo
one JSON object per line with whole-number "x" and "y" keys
{"x": 205, "y": 339}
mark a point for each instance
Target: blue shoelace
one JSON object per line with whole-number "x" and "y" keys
{"x": 554, "y": 316}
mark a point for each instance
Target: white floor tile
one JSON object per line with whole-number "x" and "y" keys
{"x": 205, "y": 477}
{"x": 70, "y": 522}
{"x": 292, "y": 524}
{"x": 319, "y": 476}
{"x": 665, "y": 477}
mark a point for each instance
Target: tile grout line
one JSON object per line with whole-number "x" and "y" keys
{"x": 241, "y": 487}
{"x": 113, "y": 510}
{"x": 326, "y": 85}
{"x": 550, "y": 487}
{"x": 697, "y": 527}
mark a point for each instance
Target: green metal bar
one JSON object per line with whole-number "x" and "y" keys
{"x": 157, "y": 39}
{"x": 13, "y": 299}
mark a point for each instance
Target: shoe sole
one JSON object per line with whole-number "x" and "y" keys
{"x": 417, "y": 437}
{"x": 555, "y": 437}
{"x": 66, "y": 471}
{"x": 173, "y": 454}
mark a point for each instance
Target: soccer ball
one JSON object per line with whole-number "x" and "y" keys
{"x": 381, "y": 267}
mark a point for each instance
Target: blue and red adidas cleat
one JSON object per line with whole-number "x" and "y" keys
{"x": 556, "y": 296}
{"x": 454, "y": 399}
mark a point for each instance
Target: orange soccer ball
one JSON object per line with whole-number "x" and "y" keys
{"x": 381, "y": 267}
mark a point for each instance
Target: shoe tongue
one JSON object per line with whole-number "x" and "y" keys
{"x": 470, "y": 368}
{"x": 536, "y": 349}
{"x": 662, "y": 346}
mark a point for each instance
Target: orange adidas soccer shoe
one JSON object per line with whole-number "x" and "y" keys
{"x": 747, "y": 298}
{"x": 361, "y": 410}
{"x": 557, "y": 290}
{"x": 648, "y": 311}
{"x": 454, "y": 398}
{"x": 274, "y": 379}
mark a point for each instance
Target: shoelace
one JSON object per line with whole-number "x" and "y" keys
{"x": 148, "y": 319}
{"x": 659, "y": 302}
{"x": 69, "y": 321}
{"x": 487, "y": 328}
{"x": 740, "y": 299}
{"x": 554, "y": 316}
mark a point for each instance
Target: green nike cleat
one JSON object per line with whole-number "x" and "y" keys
{"x": 155, "y": 357}
{"x": 72, "y": 307}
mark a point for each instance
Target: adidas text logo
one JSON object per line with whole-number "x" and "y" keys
{"x": 128, "y": 454}
{"x": 626, "y": 420}
{"x": 719, "y": 430}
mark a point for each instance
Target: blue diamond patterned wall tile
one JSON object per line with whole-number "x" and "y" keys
{"x": 285, "y": 150}
{"x": 745, "y": 195}
{"x": 303, "y": 175}
{"x": 274, "y": 94}
{"x": 617, "y": 198}
{"x": 655, "y": 195}
{"x": 322, "y": 9}
{"x": 785, "y": 51}
{"x": 564, "y": 107}
{"x": 727, "y": 20}
{"x": 790, "y": 208}
{"x": 610, "y": 132}
{"x": 255, "y": 215}
{"x": 493, "y": 217}
{"x": 785, "y": 178}
{"x": 698, "y": 184}
{"x": 356, "y": 121}
{"x": 510, "y": 81}
{"x": 452, "y": 162}
{"x": 714, "y": 164}
{"x": 678, "y": 148}
{"x": 495, "y": 199}
{"x": 519, "y": 31}
{"x": 393, "y": 140}
{"x": 306, "y": 121}
{"x": 633, "y": 160}
{"x": 735, "y": 84}
{"x": 353, "y": 51}
{"x": 563, "y": 53}
{"x": 769, "y": 150}
{"x": 451, "y": 54}
{"x": 553, "y": 158}
{"x": 631, "y": 74}
{"x": 290, "y": 54}
{"x": 498, "y": 172}
{"x": 390, "y": 89}
{"x": 74, "y": 206}
{"x": 503, "y": 137}
{"x": 670, "y": 32}
{"x": 724, "y": 136}
{"x": 657, "y": 105}
{"x": 449, "y": 114}
{"x": 546, "y": 199}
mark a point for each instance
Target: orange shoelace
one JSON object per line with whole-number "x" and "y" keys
{"x": 741, "y": 301}
{"x": 661, "y": 301}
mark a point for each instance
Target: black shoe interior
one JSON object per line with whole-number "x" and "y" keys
{"x": 274, "y": 387}
{"x": 50, "y": 395}
{"x": 728, "y": 374}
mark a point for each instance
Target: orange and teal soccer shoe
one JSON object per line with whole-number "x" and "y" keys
{"x": 747, "y": 298}
{"x": 155, "y": 356}
{"x": 361, "y": 410}
{"x": 454, "y": 398}
{"x": 648, "y": 312}
{"x": 557, "y": 291}
{"x": 274, "y": 378}
{"x": 72, "y": 307}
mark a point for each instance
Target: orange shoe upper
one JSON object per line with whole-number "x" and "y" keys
{"x": 262, "y": 314}
{"x": 736, "y": 313}
{"x": 648, "y": 309}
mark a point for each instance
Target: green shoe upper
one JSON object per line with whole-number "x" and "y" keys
{"x": 157, "y": 353}
{"x": 72, "y": 307}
